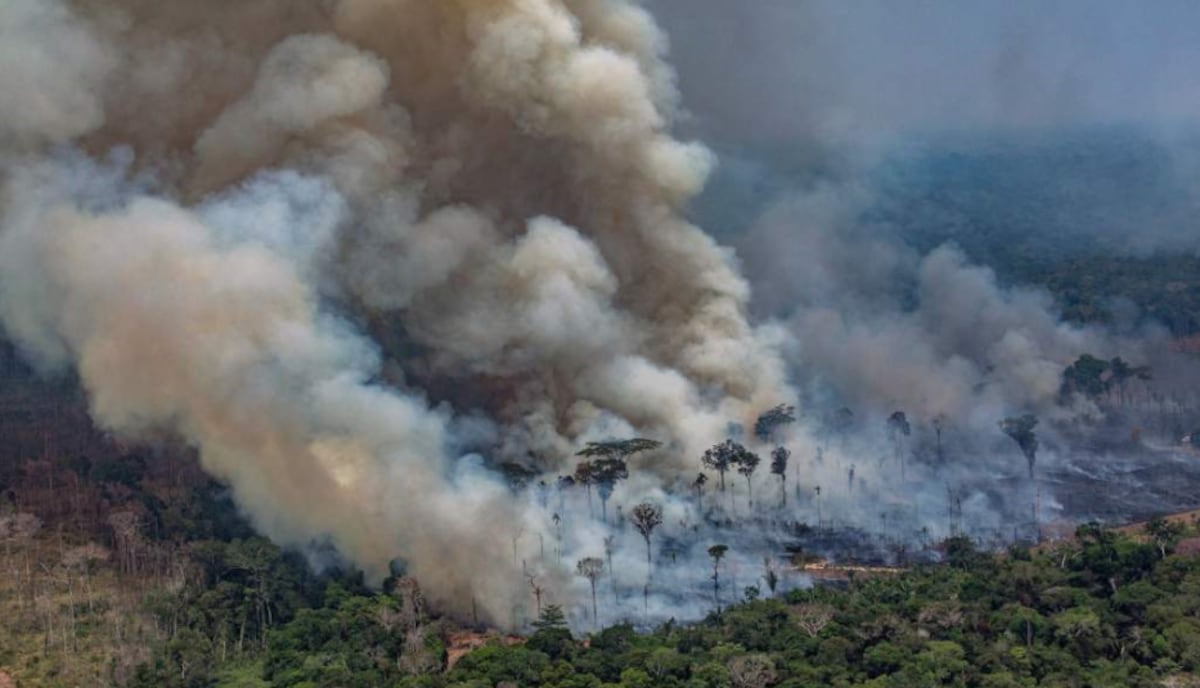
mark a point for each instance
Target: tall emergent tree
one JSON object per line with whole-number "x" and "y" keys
{"x": 610, "y": 464}
{"x": 591, "y": 568}
{"x": 610, "y": 546}
{"x": 1021, "y": 430}
{"x": 646, "y": 517}
{"x": 698, "y": 485}
{"x": 585, "y": 474}
{"x": 724, "y": 457}
{"x": 608, "y": 472}
{"x": 779, "y": 464}
{"x": 747, "y": 464}
{"x": 717, "y": 552}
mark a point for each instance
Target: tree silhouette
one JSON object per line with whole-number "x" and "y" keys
{"x": 817, "y": 492}
{"x": 779, "y": 464}
{"x": 717, "y": 552}
{"x": 897, "y": 429}
{"x": 723, "y": 457}
{"x": 1122, "y": 373}
{"x": 1020, "y": 429}
{"x": 610, "y": 545}
{"x": 769, "y": 576}
{"x": 557, "y": 535}
{"x": 746, "y": 465}
{"x": 698, "y": 484}
{"x": 585, "y": 474}
{"x": 607, "y": 473}
{"x": 769, "y": 421}
{"x": 610, "y": 466}
{"x": 591, "y": 568}
{"x": 1088, "y": 375}
{"x": 538, "y": 591}
{"x": 646, "y": 517}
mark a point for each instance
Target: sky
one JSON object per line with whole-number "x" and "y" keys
{"x": 780, "y": 71}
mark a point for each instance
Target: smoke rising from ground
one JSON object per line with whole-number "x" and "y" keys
{"x": 340, "y": 245}
{"x": 368, "y": 255}
{"x": 857, "y": 137}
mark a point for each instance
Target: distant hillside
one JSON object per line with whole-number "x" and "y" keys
{"x": 1093, "y": 216}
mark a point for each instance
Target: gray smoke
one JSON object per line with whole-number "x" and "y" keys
{"x": 337, "y": 247}
{"x": 851, "y": 134}
{"x": 362, "y": 254}
{"x": 814, "y": 103}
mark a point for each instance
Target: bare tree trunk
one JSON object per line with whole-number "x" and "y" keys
{"x": 595, "y": 614}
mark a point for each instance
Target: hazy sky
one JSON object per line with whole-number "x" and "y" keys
{"x": 788, "y": 69}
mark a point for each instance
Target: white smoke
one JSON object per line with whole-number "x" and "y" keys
{"x": 345, "y": 244}
{"x": 363, "y": 253}
{"x": 54, "y": 69}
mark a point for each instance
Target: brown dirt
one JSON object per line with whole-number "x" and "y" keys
{"x": 1066, "y": 531}
{"x": 461, "y": 643}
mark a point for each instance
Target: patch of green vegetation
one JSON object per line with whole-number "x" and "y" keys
{"x": 1105, "y": 609}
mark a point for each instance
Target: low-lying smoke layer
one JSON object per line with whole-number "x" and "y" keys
{"x": 338, "y": 246}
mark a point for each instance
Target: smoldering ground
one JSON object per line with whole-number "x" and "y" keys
{"x": 371, "y": 256}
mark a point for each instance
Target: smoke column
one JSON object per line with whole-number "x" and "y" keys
{"x": 340, "y": 246}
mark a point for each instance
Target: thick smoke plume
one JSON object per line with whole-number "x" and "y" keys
{"x": 389, "y": 264}
{"x": 339, "y": 246}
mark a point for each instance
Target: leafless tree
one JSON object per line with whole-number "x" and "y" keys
{"x": 610, "y": 546}
{"x": 752, "y": 671}
{"x": 812, "y": 617}
{"x": 417, "y": 658}
{"x": 126, "y": 526}
{"x": 82, "y": 561}
{"x": 537, "y": 592}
